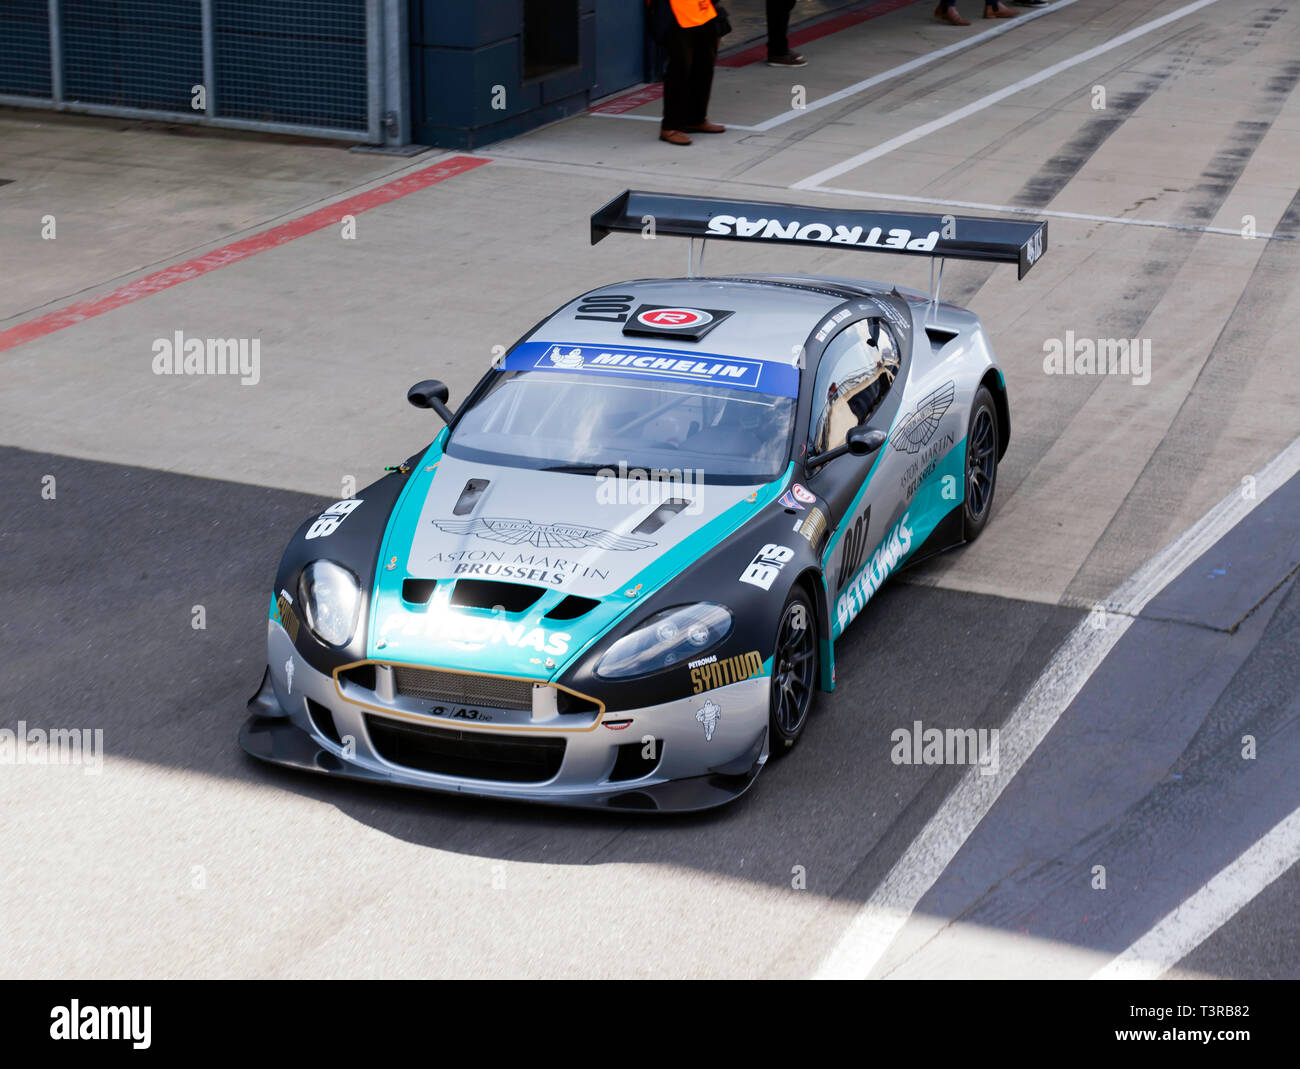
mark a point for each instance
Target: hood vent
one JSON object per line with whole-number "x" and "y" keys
{"x": 418, "y": 591}
{"x": 469, "y": 496}
{"x": 489, "y": 594}
{"x": 661, "y": 515}
{"x": 571, "y": 608}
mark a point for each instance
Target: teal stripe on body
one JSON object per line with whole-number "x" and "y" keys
{"x": 928, "y": 507}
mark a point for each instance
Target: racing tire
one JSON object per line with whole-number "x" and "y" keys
{"x": 794, "y": 673}
{"x": 981, "y": 465}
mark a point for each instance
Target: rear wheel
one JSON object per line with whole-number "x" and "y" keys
{"x": 981, "y": 464}
{"x": 794, "y": 672}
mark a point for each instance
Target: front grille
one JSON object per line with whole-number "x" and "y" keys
{"x": 455, "y": 688}
{"x": 466, "y": 754}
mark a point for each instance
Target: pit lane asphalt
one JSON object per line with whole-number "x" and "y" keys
{"x": 105, "y": 638}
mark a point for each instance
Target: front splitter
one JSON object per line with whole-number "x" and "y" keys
{"x": 279, "y": 741}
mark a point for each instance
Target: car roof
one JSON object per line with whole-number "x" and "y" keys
{"x": 770, "y": 317}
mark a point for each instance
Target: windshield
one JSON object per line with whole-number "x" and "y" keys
{"x": 572, "y": 421}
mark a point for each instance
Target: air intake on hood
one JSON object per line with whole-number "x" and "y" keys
{"x": 571, "y": 608}
{"x": 418, "y": 591}
{"x": 469, "y": 496}
{"x": 489, "y": 594}
{"x": 661, "y": 515}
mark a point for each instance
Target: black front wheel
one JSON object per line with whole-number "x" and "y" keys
{"x": 794, "y": 672}
{"x": 981, "y": 464}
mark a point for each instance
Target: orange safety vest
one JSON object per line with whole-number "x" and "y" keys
{"x": 693, "y": 12}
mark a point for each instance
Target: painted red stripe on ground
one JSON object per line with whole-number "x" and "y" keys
{"x": 831, "y": 25}
{"x": 647, "y": 94}
{"x": 234, "y": 252}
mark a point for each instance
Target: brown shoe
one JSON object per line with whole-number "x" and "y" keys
{"x": 997, "y": 11}
{"x": 950, "y": 16}
{"x": 674, "y": 137}
{"x": 706, "y": 128}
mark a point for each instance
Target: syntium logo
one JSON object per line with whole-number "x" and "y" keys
{"x": 855, "y": 548}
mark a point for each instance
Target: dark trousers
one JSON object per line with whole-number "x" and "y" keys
{"x": 778, "y": 25}
{"x": 688, "y": 78}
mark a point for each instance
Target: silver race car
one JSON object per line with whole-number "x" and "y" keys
{"x": 617, "y": 576}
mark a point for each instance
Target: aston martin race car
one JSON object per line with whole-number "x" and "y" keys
{"x": 618, "y": 575}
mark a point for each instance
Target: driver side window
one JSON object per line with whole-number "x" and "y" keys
{"x": 852, "y": 379}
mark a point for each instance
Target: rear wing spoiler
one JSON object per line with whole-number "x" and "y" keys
{"x": 1000, "y": 241}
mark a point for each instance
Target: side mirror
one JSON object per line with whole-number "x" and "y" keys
{"x": 859, "y": 441}
{"x": 862, "y": 441}
{"x": 431, "y": 394}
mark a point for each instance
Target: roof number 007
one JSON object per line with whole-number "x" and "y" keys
{"x": 607, "y": 308}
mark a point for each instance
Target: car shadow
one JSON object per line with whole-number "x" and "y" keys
{"x": 137, "y": 603}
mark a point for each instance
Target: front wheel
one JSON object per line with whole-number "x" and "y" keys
{"x": 794, "y": 672}
{"x": 981, "y": 464}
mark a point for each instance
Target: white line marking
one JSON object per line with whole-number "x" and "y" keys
{"x": 883, "y": 915}
{"x": 911, "y": 65}
{"x": 886, "y": 147}
{"x": 656, "y": 118}
{"x": 876, "y": 79}
{"x": 1187, "y": 926}
{"x": 1018, "y": 210}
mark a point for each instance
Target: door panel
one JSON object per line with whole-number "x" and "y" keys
{"x": 908, "y": 484}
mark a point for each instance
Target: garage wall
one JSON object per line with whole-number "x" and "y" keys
{"x": 482, "y": 70}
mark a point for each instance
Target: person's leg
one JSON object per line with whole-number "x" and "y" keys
{"x": 778, "y": 27}
{"x": 678, "y": 76}
{"x": 704, "y": 52}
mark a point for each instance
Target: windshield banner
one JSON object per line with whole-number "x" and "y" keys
{"x": 738, "y": 373}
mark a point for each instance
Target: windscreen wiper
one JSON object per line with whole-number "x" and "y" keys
{"x": 589, "y": 469}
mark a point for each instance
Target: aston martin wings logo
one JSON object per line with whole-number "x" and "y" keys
{"x": 918, "y": 428}
{"x": 542, "y": 535}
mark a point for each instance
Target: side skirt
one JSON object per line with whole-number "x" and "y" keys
{"x": 946, "y": 535}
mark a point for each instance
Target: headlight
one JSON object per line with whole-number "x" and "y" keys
{"x": 330, "y": 600}
{"x": 666, "y": 639}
